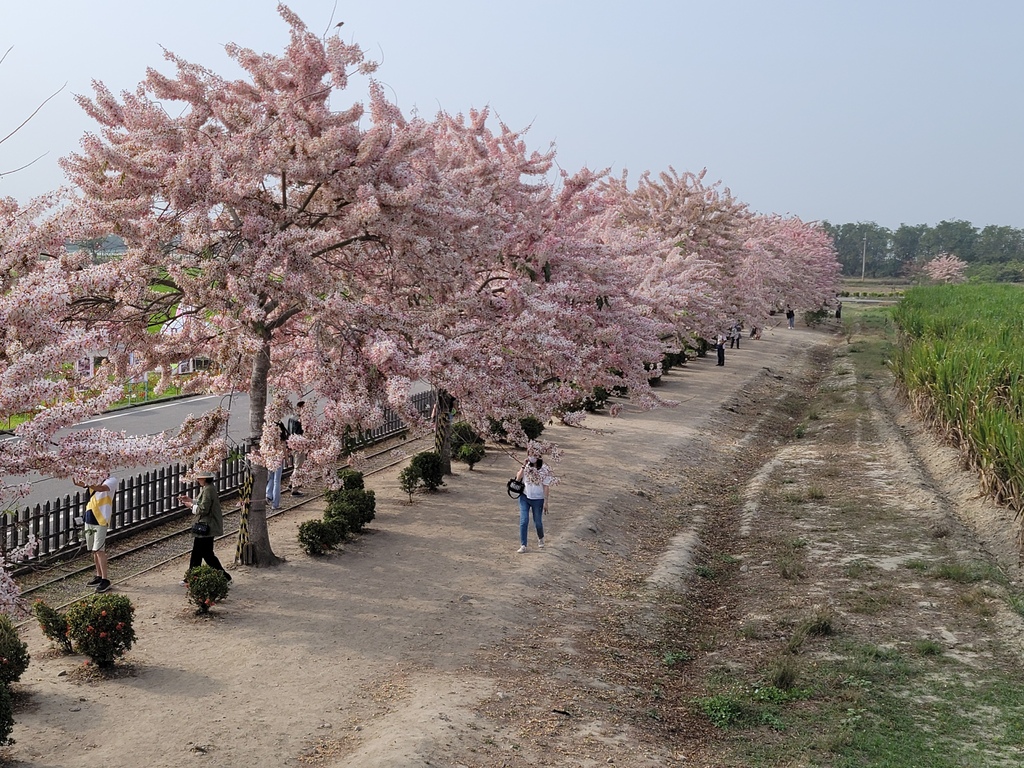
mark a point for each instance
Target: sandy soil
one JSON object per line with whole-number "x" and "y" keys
{"x": 429, "y": 641}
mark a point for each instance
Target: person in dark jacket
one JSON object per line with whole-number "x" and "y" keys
{"x": 206, "y": 510}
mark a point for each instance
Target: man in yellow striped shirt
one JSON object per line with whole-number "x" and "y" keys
{"x": 98, "y": 512}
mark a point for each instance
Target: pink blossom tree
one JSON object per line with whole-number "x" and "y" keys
{"x": 253, "y": 215}
{"x": 716, "y": 262}
{"x": 946, "y": 268}
{"x": 787, "y": 261}
{"x": 522, "y": 307}
{"x": 697, "y": 231}
{"x": 302, "y": 252}
{"x": 309, "y": 255}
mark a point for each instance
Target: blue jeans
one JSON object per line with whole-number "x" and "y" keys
{"x": 274, "y": 486}
{"x": 525, "y": 505}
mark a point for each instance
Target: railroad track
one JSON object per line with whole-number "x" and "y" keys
{"x": 156, "y": 551}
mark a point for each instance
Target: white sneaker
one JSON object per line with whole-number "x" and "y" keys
{"x": 521, "y": 549}
{"x": 540, "y": 543}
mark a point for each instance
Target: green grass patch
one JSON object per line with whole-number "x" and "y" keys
{"x": 705, "y": 571}
{"x": 927, "y": 647}
{"x": 970, "y": 573}
{"x": 875, "y": 598}
{"x": 675, "y": 658}
{"x": 792, "y": 567}
{"x": 858, "y": 568}
{"x": 875, "y": 706}
{"x": 1016, "y": 604}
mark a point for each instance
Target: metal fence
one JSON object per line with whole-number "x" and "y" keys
{"x": 151, "y": 498}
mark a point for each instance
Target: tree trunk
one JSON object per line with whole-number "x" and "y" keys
{"x": 259, "y": 536}
{"x": 443, "y": 429}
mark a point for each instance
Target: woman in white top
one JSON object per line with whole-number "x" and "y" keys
{"x": 535, "y": 497}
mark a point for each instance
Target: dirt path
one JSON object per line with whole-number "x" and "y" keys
{"x": 429, "y": 641}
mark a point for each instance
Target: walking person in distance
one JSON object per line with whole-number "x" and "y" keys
{"x": 735, "y": 334}
{"x": 533, "y": 501}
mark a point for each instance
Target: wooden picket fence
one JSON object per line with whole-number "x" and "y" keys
{"x": 151, "y": 498}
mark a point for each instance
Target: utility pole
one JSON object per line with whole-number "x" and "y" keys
{"x": 864, "y": 257}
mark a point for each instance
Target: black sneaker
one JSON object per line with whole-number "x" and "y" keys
{"x": 226, "y": 575}
{"x": 103, "y": 586}
{"x": 93, "y": 582}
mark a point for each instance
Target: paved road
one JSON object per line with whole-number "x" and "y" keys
{"x": 148, "y": 420}
{"x": 141, "y": 420}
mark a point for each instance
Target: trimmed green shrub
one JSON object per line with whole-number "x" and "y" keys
{"x": 600, "y": 397}
{"x": 54, "y": 625}
{"x": 409, "y": 480}
{"x": 467, "y": 446}
{"x": 431, "y": 471}
{"x": 351, "y": 508}
{"x": 318, "y": 537}
{"x": 364, "y": 506}
{"x": 470, "y": 453}
{"x": 13, "y": 652}
{"x": 495, "y": 429}
{"x": 532, "y": 426}
{"x": 815, "y": 318}
{"x": 206, "y": 587}
{"x": 351, "y": 479}
{"x": 463, "y": 434}
{"x": 101, "y": 627}
{"x": 673, "y": 359}
{"x": 337, "y": 518}
{"x": 348, "y": 511}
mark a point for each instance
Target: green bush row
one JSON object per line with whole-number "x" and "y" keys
{"x": 349, "y": 510}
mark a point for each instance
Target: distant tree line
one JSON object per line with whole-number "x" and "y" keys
{"x": 994, "y": 253}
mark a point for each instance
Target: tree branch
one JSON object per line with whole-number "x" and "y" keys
{"x": 34, "y": 113}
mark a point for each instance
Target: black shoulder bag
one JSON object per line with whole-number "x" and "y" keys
{"x": 515, "y": 488}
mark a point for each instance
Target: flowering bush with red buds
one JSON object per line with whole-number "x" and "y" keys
{"x": 206, "y": 587}
{"x": 53, "y": 624}
{"x": 101, "y": 627}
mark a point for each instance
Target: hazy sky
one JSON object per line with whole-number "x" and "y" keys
{"x": 893, "y": 111}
